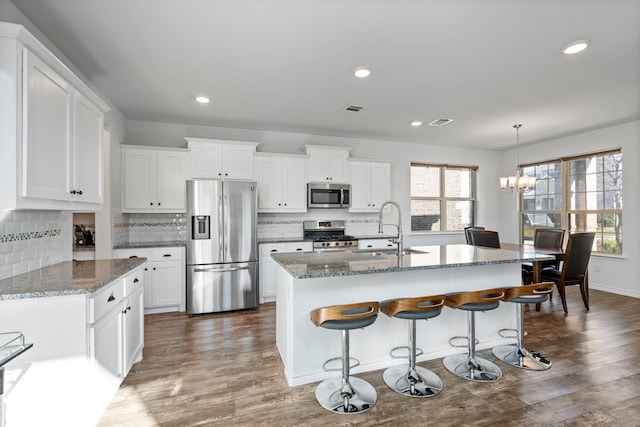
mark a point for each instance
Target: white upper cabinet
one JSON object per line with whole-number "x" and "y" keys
{"x": 153, "y": 179}
{"x": 327, "y": 164}
{"x": 51, "y": 127}
{"x": 217, "y": 158}
{"x": 281, "y": 182}
{"x": 370, "y": 185}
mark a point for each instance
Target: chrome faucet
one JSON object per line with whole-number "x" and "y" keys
{"x": 398, "y": 239}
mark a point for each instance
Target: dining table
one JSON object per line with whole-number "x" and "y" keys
{"x": 529, "y": 250}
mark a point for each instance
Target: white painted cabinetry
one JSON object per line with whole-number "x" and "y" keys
{"x": 327, "y": 164}
{"x": 164, "y": 275}
{"x": 153, "y": 179}
{"x": 370, "y": 185}
{"x": 268, "y": 273}
{"x": 376, "y": 244}
{"x": 217, "y": 158}
{"x": 50, "y": 129}
{"x": 281, "y": 183}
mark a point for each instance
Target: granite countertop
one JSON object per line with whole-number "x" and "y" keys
{"x": 140, "y": 245}
{"x": 66, "y": 278}
{"x": 308, "y": 265}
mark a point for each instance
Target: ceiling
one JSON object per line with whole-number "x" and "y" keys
{"x": 286, "y": 65}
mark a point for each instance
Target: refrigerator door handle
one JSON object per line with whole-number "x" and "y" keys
{"x": 219, "y": 270}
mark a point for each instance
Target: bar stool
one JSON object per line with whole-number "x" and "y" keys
{"x": 516, "y": 354}
{"x": 412, "y": 380}
{"x": 347, "y": 395}
{"x": 469, "y": 366}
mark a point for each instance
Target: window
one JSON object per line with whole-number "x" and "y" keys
{"x": 582, "y": 193}
{"x": 443, "y": 197}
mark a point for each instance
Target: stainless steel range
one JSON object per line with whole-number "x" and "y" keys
{"x": 328, "y": 236}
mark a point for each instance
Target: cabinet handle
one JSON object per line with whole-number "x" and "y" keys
{"x": 126, "y": 309}
{"x": 133, "y": 256}
{"x": 274, "y": 250}
{"x": 136, "y": 280}
{"x": 111, "y": 298}
{"x": 72, "y": 191}
{"x": 369, "y": 246}
{"x": 166, "y": 255}
{"x": 80, "y": 192}
{"x": 298, "y": 249}
{"x": 146, "y": 269}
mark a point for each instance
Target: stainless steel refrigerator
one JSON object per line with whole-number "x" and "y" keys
{"x": 221, "y": 246}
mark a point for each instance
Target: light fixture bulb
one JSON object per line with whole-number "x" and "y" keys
{"x": 362, "y": 72}
{"x": 202, "y": 99}
{"x": 416, "y": 123}
{"x": 575, "y": 47}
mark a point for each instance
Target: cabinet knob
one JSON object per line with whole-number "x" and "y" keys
{"x": 219, "y": 174}
{"x": 226, "y": 174}
{"x": 80, "y": 192}
{"x": 285, "y": 204}
{"x": 111, "y": 298}
{"x": 158, "y": 203}
{"x": 136, "y": 280}
{"x": 154, "y": 268}
{"x": 279, "y": 204}
{"x": 151, "y": 203}
{"x": 72, "y": 191}
{"x": 146, "y": 269}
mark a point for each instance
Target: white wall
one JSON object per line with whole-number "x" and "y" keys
{"x": 400, "y": 154}
{"x": 615, "y": 274}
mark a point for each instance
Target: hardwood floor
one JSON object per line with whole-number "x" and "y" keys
{"x": 224, "y": 369}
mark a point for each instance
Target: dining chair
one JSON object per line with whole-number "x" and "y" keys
{"x": 467, "y": 233}
{"x": 545, "y": 238}
{"x": 486, "y": 238}
{"x": 574, "y": 267}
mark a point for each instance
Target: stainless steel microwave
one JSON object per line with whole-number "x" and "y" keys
{"x": 326, "y": 195}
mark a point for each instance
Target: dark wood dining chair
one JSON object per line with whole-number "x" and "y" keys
{"x": 486, "y": 238}
{"x": 545, "y": 238}
{"x": 467, "y": 233}
{"x": 574, "y": 267}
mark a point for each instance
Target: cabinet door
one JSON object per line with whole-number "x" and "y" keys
{"x": 107, "y": 340}
{"x": 47, "y": 102}
{"x": 167, "y": 282}
{"x": 360, "y": 186}
{"x": 138, "y": 183}
{"x": 337, "y": 166}
{"x": 133, "y": 326}
{"x": 269, "y": 178}
{"x": 205, "y": 160}
{"x": 318, "y": 166}
{"x": 268, "y": 279}
{"x": 294, "y": 188}
{"x": 88, "y": 125}
{"x": 380, "y": 184}
{"x": 237, "y": 161}
{"x": 170, "y": 181}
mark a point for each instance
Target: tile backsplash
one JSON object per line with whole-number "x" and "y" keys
{"x": 31, "y": 239}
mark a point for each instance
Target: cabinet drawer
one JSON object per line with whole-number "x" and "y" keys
{"x": 133, "y": 280}
{"x": 104, "y": 300}
{"x": 266, "y": 249}
{"x": 132, "y": 253}
{"x": 167, "y": 254}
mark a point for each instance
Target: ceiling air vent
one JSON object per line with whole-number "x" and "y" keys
{"x": 440, "y": 122}
{"x": 354, "y": 108}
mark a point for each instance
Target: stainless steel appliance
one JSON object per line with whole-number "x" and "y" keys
{"x": 328, "y": 236}
{"x": 326, "y": 195}
{"x": 221, "y": 246}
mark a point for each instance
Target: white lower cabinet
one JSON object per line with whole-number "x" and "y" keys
{"x": 376, "y": 244}
{"x": 268, "y": 273}
{"x": 164, "y": 277}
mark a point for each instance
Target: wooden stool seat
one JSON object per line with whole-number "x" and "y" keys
{"x": 516, "y": 354}
{"x": 469, "y": 366}
{"x": 346, "y": 395}
{"x": 412, "y": 380}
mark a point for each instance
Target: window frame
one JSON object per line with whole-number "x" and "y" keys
{"x": 442, "y": 199}
{"x": 567, "y": 211}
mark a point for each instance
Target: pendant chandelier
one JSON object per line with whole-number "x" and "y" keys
{"x": 517, "y": 182}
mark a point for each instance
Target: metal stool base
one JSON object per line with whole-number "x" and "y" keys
{"x": 481, "y": 371}
{"x": 329, "y": 396}
{"x": 421, "y": 383}
{"x": 521, "y": 357}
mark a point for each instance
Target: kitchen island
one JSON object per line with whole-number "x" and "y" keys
{"x": 310, "y": 280}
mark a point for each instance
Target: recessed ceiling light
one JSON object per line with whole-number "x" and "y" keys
{"x": 416, "y": 123}
{"x": 575, "y": 47}
{"x": 202, "y": 99}
{"x": 362, "y": 72}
